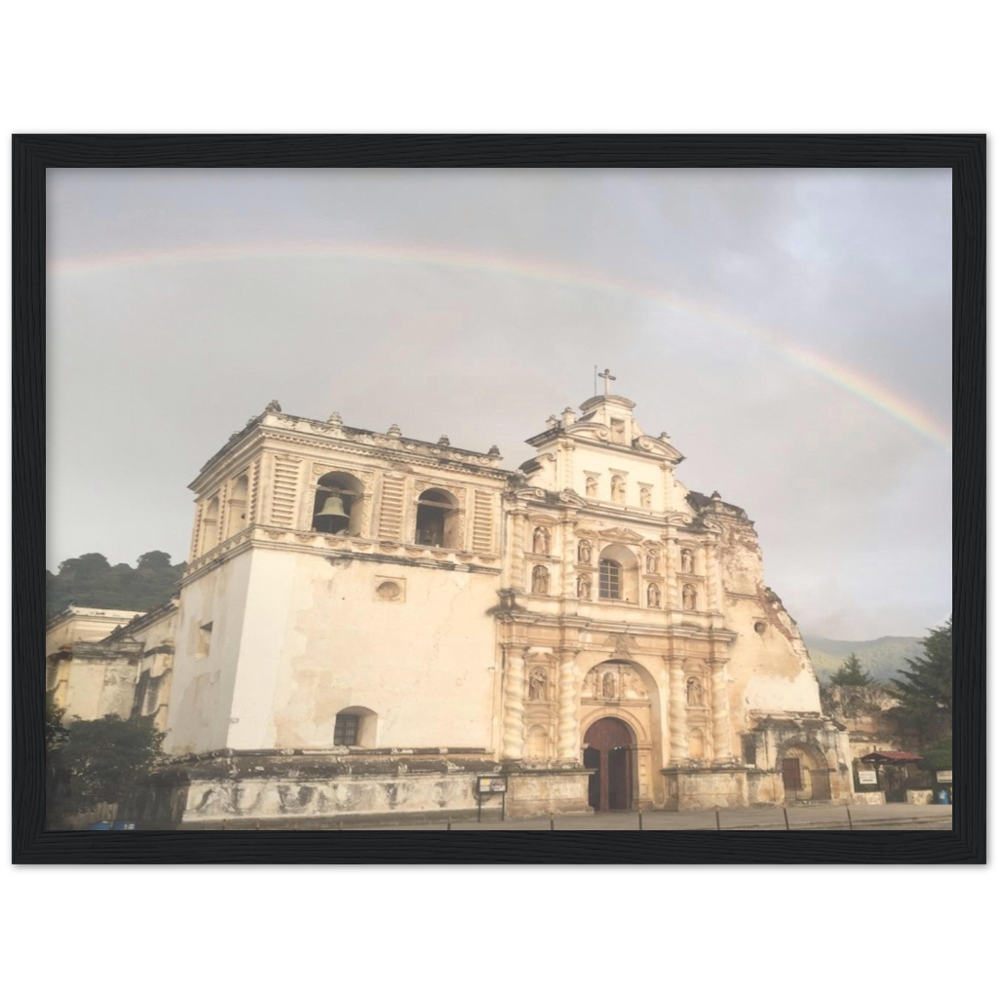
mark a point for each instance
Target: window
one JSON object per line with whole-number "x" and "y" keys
{"x": 204, "y": 645}
{"x": 345, "y": 730}
{"x": 611, "y": 579}
{"x": 437, "y": 520}
{"x": 339, "y": 504}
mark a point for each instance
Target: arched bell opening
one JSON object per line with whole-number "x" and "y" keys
{"x": 437, "y": 520}
{"x": 339, "y": 505}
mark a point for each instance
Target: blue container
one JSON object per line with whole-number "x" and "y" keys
{"x": 941, "y": 797}
{"x": 122, "y": 825}
{"x": 99, "y": 826}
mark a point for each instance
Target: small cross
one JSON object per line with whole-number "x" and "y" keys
{"x": 608, "y": 377}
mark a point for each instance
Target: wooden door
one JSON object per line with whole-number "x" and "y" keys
{"x": 791, "y": 774}
{"x": 610, "y": 748}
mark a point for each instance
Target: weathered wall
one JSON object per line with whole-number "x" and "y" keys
{"x": 203, "y": 679}
{"x": 319, "y": 638}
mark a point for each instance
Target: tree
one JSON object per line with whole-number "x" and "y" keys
{"x": 98, "y": 761}
{"x": 852, "y": 674}
{"x": 925, "y": 695}
{"x": 91, "y": 581}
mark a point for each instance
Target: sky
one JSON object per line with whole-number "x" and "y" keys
{"x": 789, "y": 329}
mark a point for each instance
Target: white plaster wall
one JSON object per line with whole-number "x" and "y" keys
{"x": 84, "y": 625}
{"x": 766, "y": 672}
{"x": 202, "y": 687}
{"x": 100, "y": 687}
{"x": 317, "y": 641}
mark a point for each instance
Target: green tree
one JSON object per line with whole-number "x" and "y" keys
{"x": 852, "y": 674}
{"x": 97, "y": 761}
{"x": 938, "y": 757}
{"x": 925, "y": 693}
{"x": 90, "y": 581}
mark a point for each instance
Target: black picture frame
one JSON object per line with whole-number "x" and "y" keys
{"x": 965, "y": 155}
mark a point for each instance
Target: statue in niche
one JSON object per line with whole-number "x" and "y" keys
{"x": 539, "y": 580}
{"x": 690, "y": 598}
{"x": 608, "y": 685}
{"x": 646, "y": 497}
{"x": 540, "y": 541}
{"x": 583, "y": 587}
{"x": 584, "y": 552}
{"x": 653, "y": 595}
{"x": 536, "y": 685}
{"x": 687, "y": 561}
{"x": 590, "y": 486}
{"x": 695, "y": 692}
{"x": 652, "y": 562}
{"x": 618, "y": 489}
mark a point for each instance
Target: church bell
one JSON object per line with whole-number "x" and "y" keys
{"x": 333, "y": 506}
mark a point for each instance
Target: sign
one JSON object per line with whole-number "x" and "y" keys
{"x": 867, "y": 778}
{"x": 489, "y": 785}
{"x": 944, "y": 777}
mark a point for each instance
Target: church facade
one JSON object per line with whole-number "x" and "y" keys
{"x": 371, "y": 625}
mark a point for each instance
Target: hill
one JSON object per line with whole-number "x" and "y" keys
{"x": 882, "y": 658}
{"x": 90, "y": 581}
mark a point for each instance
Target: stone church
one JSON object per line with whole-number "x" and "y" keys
{"x": 372, "y": 625}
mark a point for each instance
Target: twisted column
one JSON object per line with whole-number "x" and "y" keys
{"x": 670, "y": 598}
{"x": 720, "y": 712}
{"x": 513, "y": 714}
{"x": 678, "y": 712}
{"x": 568, "y": 747}
{"x": 712, "y": 572}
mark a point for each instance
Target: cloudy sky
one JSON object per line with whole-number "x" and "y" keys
{"x": 790, "y": 330}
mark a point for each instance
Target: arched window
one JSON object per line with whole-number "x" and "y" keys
{"x": 210, "y": 525}
{"x": 437, "y": 520}
{"x": 696, "y": 744}
{"x": 339, "y": 505}
{"x": 355, "y": 727}
{"x": 611, "y": 579}
{"x": 237, "y": 519}
{"x": 539, "y": 580}
{"x": 618, "y": 574}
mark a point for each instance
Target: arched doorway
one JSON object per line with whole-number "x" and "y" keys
{"x": 805, "y": 774}
{"x": 609, "y": 746}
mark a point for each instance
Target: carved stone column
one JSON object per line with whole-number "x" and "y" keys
{"x": 712, "y": 574}
{"x": 513, "y": 700}
{"x": 517, "y": 544}
{"x": 568, "y": 747}
{"x": 721, "y": 741}
{"x": 670, "y": 568}
{"x": 678, "y": 711}
{"x": 568, "y": 555}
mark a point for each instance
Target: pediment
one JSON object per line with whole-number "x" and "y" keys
{"x": 621, "y": 535}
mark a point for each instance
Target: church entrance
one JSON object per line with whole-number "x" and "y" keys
{"x": 609, "y": 750}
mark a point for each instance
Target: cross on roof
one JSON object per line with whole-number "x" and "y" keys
{"x": 608, "y": 377}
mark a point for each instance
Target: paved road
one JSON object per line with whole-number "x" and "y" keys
{"x": 892, "y": 816}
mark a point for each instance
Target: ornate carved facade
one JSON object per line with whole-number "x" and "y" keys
{"x": 368, "y": 623}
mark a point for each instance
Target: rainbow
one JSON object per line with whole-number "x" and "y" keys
{"x": 530, "y": 269}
